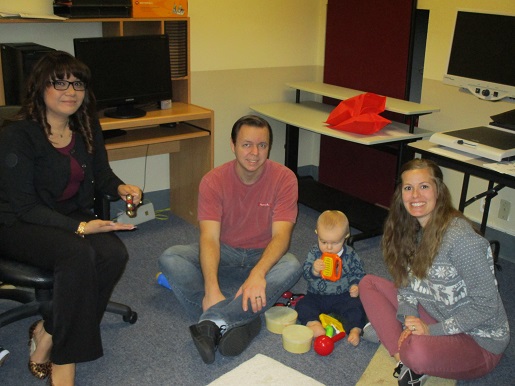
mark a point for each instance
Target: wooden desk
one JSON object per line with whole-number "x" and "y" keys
{"x": 189, "y": 145}
{"x": 452, "y": 159}
{"x": 311, "y": 116}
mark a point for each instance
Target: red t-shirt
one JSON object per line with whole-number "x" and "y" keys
{"x": 246, "y": 212}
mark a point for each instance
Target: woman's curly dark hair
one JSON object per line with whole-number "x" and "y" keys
{"x": 59, "y": 65}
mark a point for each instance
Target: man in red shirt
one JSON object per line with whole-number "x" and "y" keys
{"x": 247, "y": 210}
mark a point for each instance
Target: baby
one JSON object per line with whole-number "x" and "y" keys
{"x": 339, "y": 297}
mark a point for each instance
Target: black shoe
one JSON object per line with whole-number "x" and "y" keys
{"x": 3, "y": 355}
{"x": 236, "y": 340}
{"x": 205, "y": 335}
{"x": 407, "y": 377}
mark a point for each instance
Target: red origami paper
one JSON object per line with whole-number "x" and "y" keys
{"x": 359, "y": 114}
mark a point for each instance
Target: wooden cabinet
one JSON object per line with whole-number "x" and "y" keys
{"x": 185, "y": 131}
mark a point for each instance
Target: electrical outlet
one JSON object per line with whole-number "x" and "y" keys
{"x": 504, "y": 210}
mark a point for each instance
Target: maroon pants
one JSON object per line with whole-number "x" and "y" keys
{"x": 446, "y": 356}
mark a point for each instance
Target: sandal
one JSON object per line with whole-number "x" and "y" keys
{"x": 39, "y": 370}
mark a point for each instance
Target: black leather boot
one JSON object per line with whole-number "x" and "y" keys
{"x": 206, "y": 335}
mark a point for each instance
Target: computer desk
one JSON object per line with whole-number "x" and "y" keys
{"x": 308, "y": 115}
{"x": 452, "y": 159}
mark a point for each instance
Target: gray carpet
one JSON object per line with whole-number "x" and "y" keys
{"x": 157, "y": 350}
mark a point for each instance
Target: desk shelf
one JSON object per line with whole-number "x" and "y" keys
{"x": 308, "y": 115}
{"x": 154, "y": 135}
{"x": 312, "y": 115}
{"x": 342, "y": 93}
{"x": 189, "y": 144}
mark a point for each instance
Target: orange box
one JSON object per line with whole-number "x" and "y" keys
{"x": 143, "y": 9}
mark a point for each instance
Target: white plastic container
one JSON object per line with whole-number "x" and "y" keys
{"x": 278, "y": 317}
{"x": 297, "y": 339}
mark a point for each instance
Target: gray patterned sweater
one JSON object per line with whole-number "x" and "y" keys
{"x": 460, "y": 291}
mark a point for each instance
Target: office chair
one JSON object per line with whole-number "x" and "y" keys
{"x": 32, "y": 287}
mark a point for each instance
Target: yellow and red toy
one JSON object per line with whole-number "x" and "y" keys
{"x": 333, "y": 266}
{"x": 324, "y": 344}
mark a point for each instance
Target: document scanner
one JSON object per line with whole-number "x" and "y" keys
{"x": 490, "y": 142}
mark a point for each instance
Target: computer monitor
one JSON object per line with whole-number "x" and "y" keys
{"x": 127, "y": 71}
{"x": 482, "y": 54}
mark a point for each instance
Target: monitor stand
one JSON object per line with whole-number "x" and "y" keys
{"x": 125, "y": 112}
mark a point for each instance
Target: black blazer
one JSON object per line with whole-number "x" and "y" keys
{"x": 33, "y": 175}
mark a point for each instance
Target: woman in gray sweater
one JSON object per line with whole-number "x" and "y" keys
{"x": 442, "y": 315}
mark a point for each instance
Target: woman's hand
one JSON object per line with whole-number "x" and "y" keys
{"x": 134, "y": 191}
{"x": 404, "y": 334}
{"x": 416, "y": 325}
{"x": 102, "y": 226}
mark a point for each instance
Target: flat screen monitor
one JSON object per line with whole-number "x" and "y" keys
{"x": 482, "y": 55}
{"x": 127, "y": 71}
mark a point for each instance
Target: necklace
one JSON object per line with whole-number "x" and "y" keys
{"x": 61, "y": 134}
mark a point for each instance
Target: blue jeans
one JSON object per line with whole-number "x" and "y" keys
{"x": 181, "y": 266}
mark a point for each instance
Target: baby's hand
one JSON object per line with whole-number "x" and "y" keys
{"x": 354, "y": 291}
{"x": 318, "y": 266}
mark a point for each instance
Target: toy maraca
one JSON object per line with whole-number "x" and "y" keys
{"x": 291, "y": 299}
{"x": 131, "y": 208}
{"x": 324, "y": 345}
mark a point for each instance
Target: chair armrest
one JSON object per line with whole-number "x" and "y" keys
{"x": 103, "y": 205}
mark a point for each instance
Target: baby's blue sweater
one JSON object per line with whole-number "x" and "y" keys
{"x": 352, "y": 272}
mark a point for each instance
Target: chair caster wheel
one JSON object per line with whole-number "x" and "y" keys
{"x": 131, "y": 318}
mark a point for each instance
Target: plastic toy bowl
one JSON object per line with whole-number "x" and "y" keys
{"x": 277, "y": 318}
{"x": 297, "y": 339}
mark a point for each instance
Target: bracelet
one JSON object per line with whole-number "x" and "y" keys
{"x": 81, "y": 229}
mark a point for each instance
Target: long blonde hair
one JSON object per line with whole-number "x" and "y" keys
{"x": 404, "y": 249}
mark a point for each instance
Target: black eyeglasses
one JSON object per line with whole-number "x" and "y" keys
{"x": 63, "y": 85}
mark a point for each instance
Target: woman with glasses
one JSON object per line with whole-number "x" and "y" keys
{"x": 52, "y": 161}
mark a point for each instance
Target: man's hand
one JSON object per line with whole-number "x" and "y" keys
{"x": 253, "y": 291}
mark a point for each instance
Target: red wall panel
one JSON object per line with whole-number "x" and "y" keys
{"x": 367, "y": 48}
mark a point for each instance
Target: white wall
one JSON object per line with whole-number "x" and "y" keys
{"x": 237, "y": 50}
{"x": 243, "y": 53}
